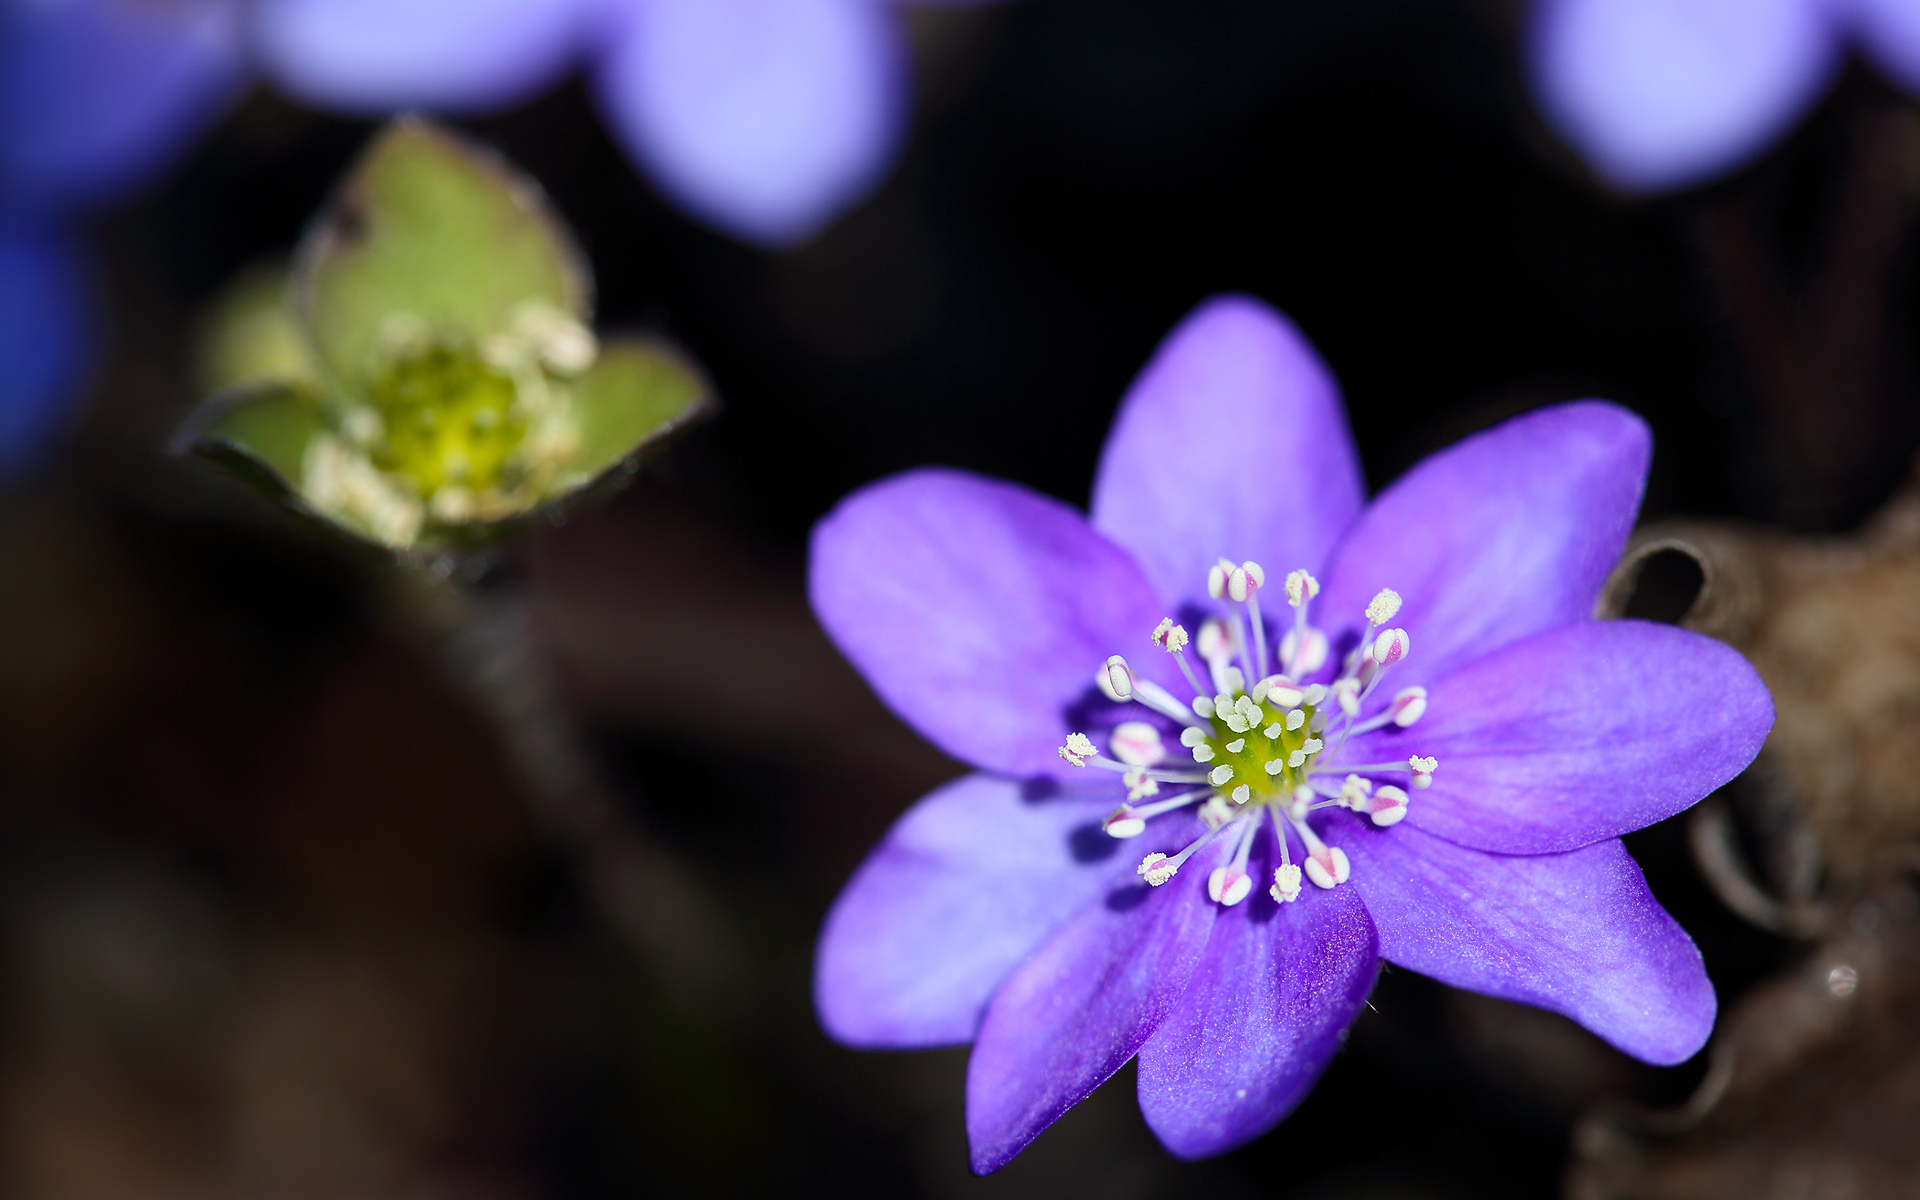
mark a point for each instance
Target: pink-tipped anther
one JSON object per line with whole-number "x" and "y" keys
{"x": 1229, "y": 885}
{"x": 1137, "y": 744}
{"x": 1215, "y": 642}
{"x": 1079, "y": 749}
{"x": 1301, "y": 587}
{"x": 1409, "y": 705}
{"x": 1327, "y": 866}
{"x": 1217, "y": 578}
{"x": 1286, "y": 883}
{"x": 1346, "y": 693}
{"x": 1156, "y": 869}
{"x": 1422, "y": 770}
{"x": 1385, "y": 807}
{"x": 1124, "y": 822}
{"x": 1115, "y": 678}
{"x": 1170, "y": 637}
{"x": 1280, "y": 691}
{"x": 1304, "y": 651}
{"x": 1391, "y": 646}
{"x": 1245, "y": 581}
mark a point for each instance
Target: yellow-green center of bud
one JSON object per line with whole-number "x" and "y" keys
{"x": 446, "y": 417}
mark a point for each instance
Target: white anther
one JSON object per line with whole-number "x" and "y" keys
{"x": 1220, "y": 774}
{"x": 1354, "y": 791}
{"x": 1229, "y": 885}
{"x": 1275, "y": 766}
{"x": 1216, "y": 812}
{"x": 1346, "y": 693}
{"x": 1234, "y": 681}
{"x": 1386, "y": 806}
{"x": 1381, "y": 608}
{"x": 1203, "y": 753}
{"x": 1296, "y": 718}
{"x": 1137, "y": 744}
{"x": 1203, "y": 706}
{"x": 1328, "y": 867}
{"x": 1079, "y": 749}
{"x": 1139, "y": 787}
{"x": 1170, "y": 637}
{"x": 1245, "y": 581}
{"x": 1301, "y": 587}
{"x": 1283, "y": 692}
{"x": 1303, "y": 796}
{"x": 1391, "y": 646}
{"x": 1241, "y": 794}
{"x": 1296, "y": 758}
{"x": 1124, "y": 822}
{"x": 1191, "y": 737}
{"x": 1422, "y": 770}
{"x": 1236, "y": 745}
{"x": 1315, "y": 695}
{"x": 1215, "y": 641}
{"x": 1409, "y": 705}
{"x": 1217, "y": 578}
{"x": 1115, "y": 679}
{"x": 1304, "y": 655}
{"x": 1156, "y": 869}
{"x": 1286, "y": 883}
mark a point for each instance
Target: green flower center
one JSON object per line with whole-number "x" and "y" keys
{"x": 447, "y": 418}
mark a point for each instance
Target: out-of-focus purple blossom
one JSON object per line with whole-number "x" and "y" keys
{"x": 1662, "y": 94}
{"x": 1462, "y": 820}
{"x": 763, "y": 117}
{"x": 43, "y": 324}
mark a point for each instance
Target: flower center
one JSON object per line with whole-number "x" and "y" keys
{"x": 1269, "y": 749}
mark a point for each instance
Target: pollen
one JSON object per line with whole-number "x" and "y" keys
{"x": 1382, "y": 607}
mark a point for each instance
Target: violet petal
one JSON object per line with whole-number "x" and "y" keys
{"x": 978, "y": 610}
{"x": 1268, "y": 1006}
{"x": 376, "y": 56}
{"x": 1889, "y": 32}
{"x": 1231, "y": 442}
{"x": 1663, "y": 94}
{"x": 764, "y": 119}
{"x": 1500, "y": 536}
{"x": 1075, "y": 1011}
{"x": 1576, "y": 933}
{"x": 963, "y": 886}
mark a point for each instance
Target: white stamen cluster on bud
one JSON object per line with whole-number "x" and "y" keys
{"x": 1391, "y": 646}
{"x": 1409, "y": 705}
{"x": 1286, "y": 883}
{"x": 1422, "y": 770}
{"x": 1301, "y": 587}
{"x": 1170, "y": 637}
{"x": 1382, "y": 608}
{"x": 1156, "y": 869}
{"x": 1079, "y": 749}
{"x": 1327, "y": 866}
{"x": 1229, "y": 885}
{"x": 1115, "y": 679}
{"x": 1136, "y": 743}
{"x": 1245, "y": 581}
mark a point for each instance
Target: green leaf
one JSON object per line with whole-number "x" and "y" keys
{"x": 635, "y": 392}
{"x": 262, "y": 430}
{"x": 249, "y": 335}
{"x": 433, "y": 229}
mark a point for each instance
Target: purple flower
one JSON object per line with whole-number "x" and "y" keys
{"x": 1430, "y": 759}
{"x": 1662, "y": 94}
{"x": 763, "y": 117}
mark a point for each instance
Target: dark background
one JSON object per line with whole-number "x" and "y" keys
{"x": 277, "y": 919}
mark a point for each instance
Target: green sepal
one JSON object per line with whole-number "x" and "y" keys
{"x": 429, "y": 226}
{"x": 258, "y": 431}
{"x": 636, "y": 392}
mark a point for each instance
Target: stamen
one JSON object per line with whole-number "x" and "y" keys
{"x": 1139, "y": 785}
{"x": 1346, "y": 693}
{"x": 1229, "y": 885}
{"x": 1281, "y": 691}
{"x": 1131, "y": 820}
{"x": 1385, "y": 807}
{"x": 1408, "y": 706}
{"x": 1422, "y": 770}
{"x": 1286, "y": 883}
{"x": 1115, "y": 679}
{"x": 1137, "y": 744}
{"x": 1354, "y": 792}
{"x": 1304, "y": 650}
{"x": 1243, "y": 586}
{"x": 1079, "y": 749}
{"x": 1326, "y": 865}
{"x": 1382, "y": 607}
{"x": 1391, "y": 646}
{"x": 1170, "y": 637}
{"x": 1157, "y": 698}
{"x": 1301, "y": 587}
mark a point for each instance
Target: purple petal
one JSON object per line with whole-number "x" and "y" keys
{"x": 1503, "y": 535}
{"x": 1580, "y": 735}
{"x": 979, "y": 611}
{"x": 43, "y": 319}
{"x": 1078, "y": 1009}
{"x": 375, "y": 56}
{"x": 970, "y": 880}
{"x": 1576, "y": 933}
{"x": 1231, "y": 443}
{"x": 1267, "y": 1008}
{"x": 763, "y": 119}
{"x": 97, "y": 95}
{"x": 1890, "y": 32}
{"x": 1662, "y": 94}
